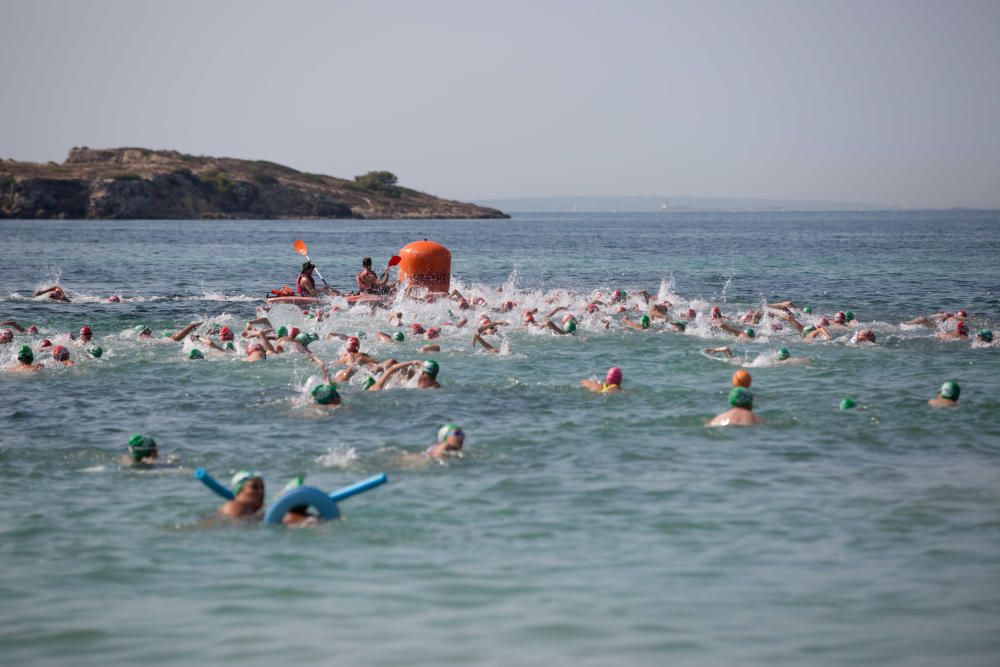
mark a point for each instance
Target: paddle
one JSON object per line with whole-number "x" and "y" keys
{"x": 393, "y": 261}
{"x": 300, "y": 247}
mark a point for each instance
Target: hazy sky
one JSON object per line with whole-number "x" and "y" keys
{"x": 885, "y": 102}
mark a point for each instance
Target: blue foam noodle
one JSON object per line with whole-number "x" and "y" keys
{"x": 213, "y": 484}
{"x": 355, "y": 489}
{"x": 303, "y": 495}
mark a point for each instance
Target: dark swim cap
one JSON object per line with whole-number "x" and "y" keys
{"x": 25, "y": 355}
{"x": 306, "y": 266}
{"x": 95, "y": 351}
{"x": 324, "y": 394}
{"x": 740, "y": 397}
{"x": 950, "y": 390}
{"x": 985, "y": 335}
{"x": 431, "y": 367}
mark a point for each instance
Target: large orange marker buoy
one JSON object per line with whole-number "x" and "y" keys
{"x": 426, "y": 264}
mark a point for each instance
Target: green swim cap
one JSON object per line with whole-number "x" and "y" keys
{"x": 847, "y": 404}
{"x": 447, "y": 430}
{"x": 749, "y": 332}
{"x": 808, "y": 330}
{"x": 165, "y": 334}
{"x": 195, "y": 354}
{"x": 807, "y": 310}
{"x": 324, "y": 394}
{"x": 679, "y": 323}
{"x": 229, "y": 345}
{"x": 644, "y": 321}
{"x": 140, "y": 446}
{"x": 303, "y": 338}
{"x": 282, "y": 332}
{"x": 95, "y": 351}
{"x": 783, "y": 353}
{"x": 740, "y": 397}
{"x": 369, "y": 381}
{"x": 240, "y": 478}
{"x": 25, "y": 355}
{"x": 398, "y": 337}
{"x": 361, "y": 334}
{"x": 950, "y": 390}
{"x": 985, "y": 335}
{"x": 569, "y": 326}
{"x": 139, "y": 328}
{"x": 431, "y": 367}
{"x": 849, "y": 316}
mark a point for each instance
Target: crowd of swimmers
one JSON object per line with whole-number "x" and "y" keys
{"x": 260, "y": 339}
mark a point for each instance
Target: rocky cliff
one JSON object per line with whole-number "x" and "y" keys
{"x": 135, "y": 183}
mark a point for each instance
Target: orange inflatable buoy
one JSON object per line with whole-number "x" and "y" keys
{"x": 426, "y": 264}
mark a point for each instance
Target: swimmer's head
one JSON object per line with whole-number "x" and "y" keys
{"x": 281, "y": 332}
{"x": 250, "y": 480}
{"x": 85, "y": 333}
{"x": 398, "y": 337}
{"x": 114, "y": 298}
{"x": 866, "y": 336}
{"x": 823, "y": 322}
{"x": 257, "y": 348}
{"x": 961, "y": 328}
{"x": 415, "y": 328}
{"x": 716, "y": 311}
{"x": 366, "y": 262}
{"x": 507, "y": 306}
{"x": 225, "y": 333}
{"x": 749, "y": 333}
{"x": 740, "y": 397}
{"x": 847, "y": 404}
{"x": 679, "y": 325}
{"x": 45, "y": 343}
{"x": 528, "y": 317}
{"x": 591, "y": 308}
{"x": 451, "y": 436}
{"x": 25, "y": 355}
{"x": 307, "y": 267}
{"x": 950, "y": 390}
{"x": 644, "y": 321}
{"x": 430, "y": 368}
{"x": 620, "y": 295}
{"x": 691, "y": 314}
{"x": 293, "y": 332}
{"x": 141, "y": 447}
{"x": 840, "y": 317}
{"x": 808, "y": 330}
{"x": 567, "y": 317}
{"x": 353, "y": 344}
{"x": 961, "y": 313}
{"x": 60, "y": 353}
{"x": 849, "y": 316}
{"x": 807, "y": 310}
{"x": 303, "y": 338}
{"x": 195, "y": 354}
{"x": 783, "y": 353}
{"x": 433, "y": 332}
{"x": 614, "y": 376}
{"x": 95, "y": 351}
{"x": 741, "y": 378}
{"x": 32, "y": 329}
{"x": 985, "y": 335}
{"x": 229, "y": 346}
{"x": 325, "y": 394}
{"x": 569, "y": 326}
{"x": 6, "y": 335}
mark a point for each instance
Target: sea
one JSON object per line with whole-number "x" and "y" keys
{"x": 577, "y": 528}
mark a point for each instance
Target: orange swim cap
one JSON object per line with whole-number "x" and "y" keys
{"x": 741, "y": 379}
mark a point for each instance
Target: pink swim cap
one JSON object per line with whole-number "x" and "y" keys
{"x": 32, "y": 329}
{"x": 293, "y": 332}
{"x": 416, "y": 328}
{"x": 114, "y": 298}
{"x": 591, "y": 307}
{"x": 614, "y": 376}
{"x": 716, "y": 312}
{"x": 60, "y": 353}
{"x": 85, "y": 332}
{"x": 6, "y": 336}
{"x": 528, "y": 316}
{"x": 691, "y": 313}
{"x": 225, "y": 333}
{"x": 507, "y": 306}
{"x": 823, "y": 322}
{"x": 463, "y": 304}
{"x": 433, "y": 332}
{"x": 962, "y": 313}
{"x": 961, "y": 327}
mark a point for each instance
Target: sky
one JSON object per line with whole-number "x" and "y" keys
{"x": 895, "y": 103}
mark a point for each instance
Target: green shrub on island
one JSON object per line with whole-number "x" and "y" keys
{"x": 265, "y": 179}
{"x": 219, "y": 180}
{"x": 383, "y": 182}
{"x": 124, "y": 176}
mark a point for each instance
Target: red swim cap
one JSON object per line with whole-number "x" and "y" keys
{"x": 591, "y": 307}
{"x": 225, "y": 333}
{"x": 823, "y": 322}
{"x": 60, "y": 353}
{"x": 961, "y": 327}
{"x": 45, "y": 343}
{"x": 416, "y": 328}
{"x": 85, "y": 332}
{"x": 507, "y": 306}
{"x": 32, "y": 329}
{"x": 463, "y": 304}
{"x": 293, "y": 332}
{"x": 840, "y": 316}
{"x": 691, "y": 313}
{"x": 528, "y": 316}
{"x": 962, "y": 313}
{"x": 433, "y": 332}
{"x": 614, "y": 376}
{"x": 6, "y": 336}
{"x": 353, "y": 344}
{"x": 716, "y": 312}
{"x": 114, "y": 298}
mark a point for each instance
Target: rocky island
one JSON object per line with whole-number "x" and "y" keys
{"x": 134, "y": 183}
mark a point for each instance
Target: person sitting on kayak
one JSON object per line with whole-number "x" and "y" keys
{"x": 369, "y": 282}
{"x": 304, "y": 283}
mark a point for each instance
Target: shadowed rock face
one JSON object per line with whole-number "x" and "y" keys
{"x": 136, "y": 183}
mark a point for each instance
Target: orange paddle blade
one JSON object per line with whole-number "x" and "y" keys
{"x": 396, "y": 259}
{"x": 300, "y": 247}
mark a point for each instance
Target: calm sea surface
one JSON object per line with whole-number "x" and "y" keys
{"x": 578, "y": 529}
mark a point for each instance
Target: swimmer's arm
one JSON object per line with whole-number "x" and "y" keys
{"x": 554, "y": 327}
{"x": 384, "y": 337}
{"x": 645, "y": 295}
{"x": 180, "y": 335}
{"x": 462, "y": 322}
{"x": 389, "y": 372}
{"x": 555, "y": 310}
{"x": 334, "y": 334}
{"x": 265, "y": 342}
{"x": 787, "y": 317}
{"x": 477, "y": 338}
{"x": 47, "y": 290}
{"x": 719, "y": 350}
{"x": 729, "y": 328}
{"x": 430, "y": 348}
{"x": 630, "y": 324}
{"x": 591, "y": 385}
{"x": 12, "y": 323}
